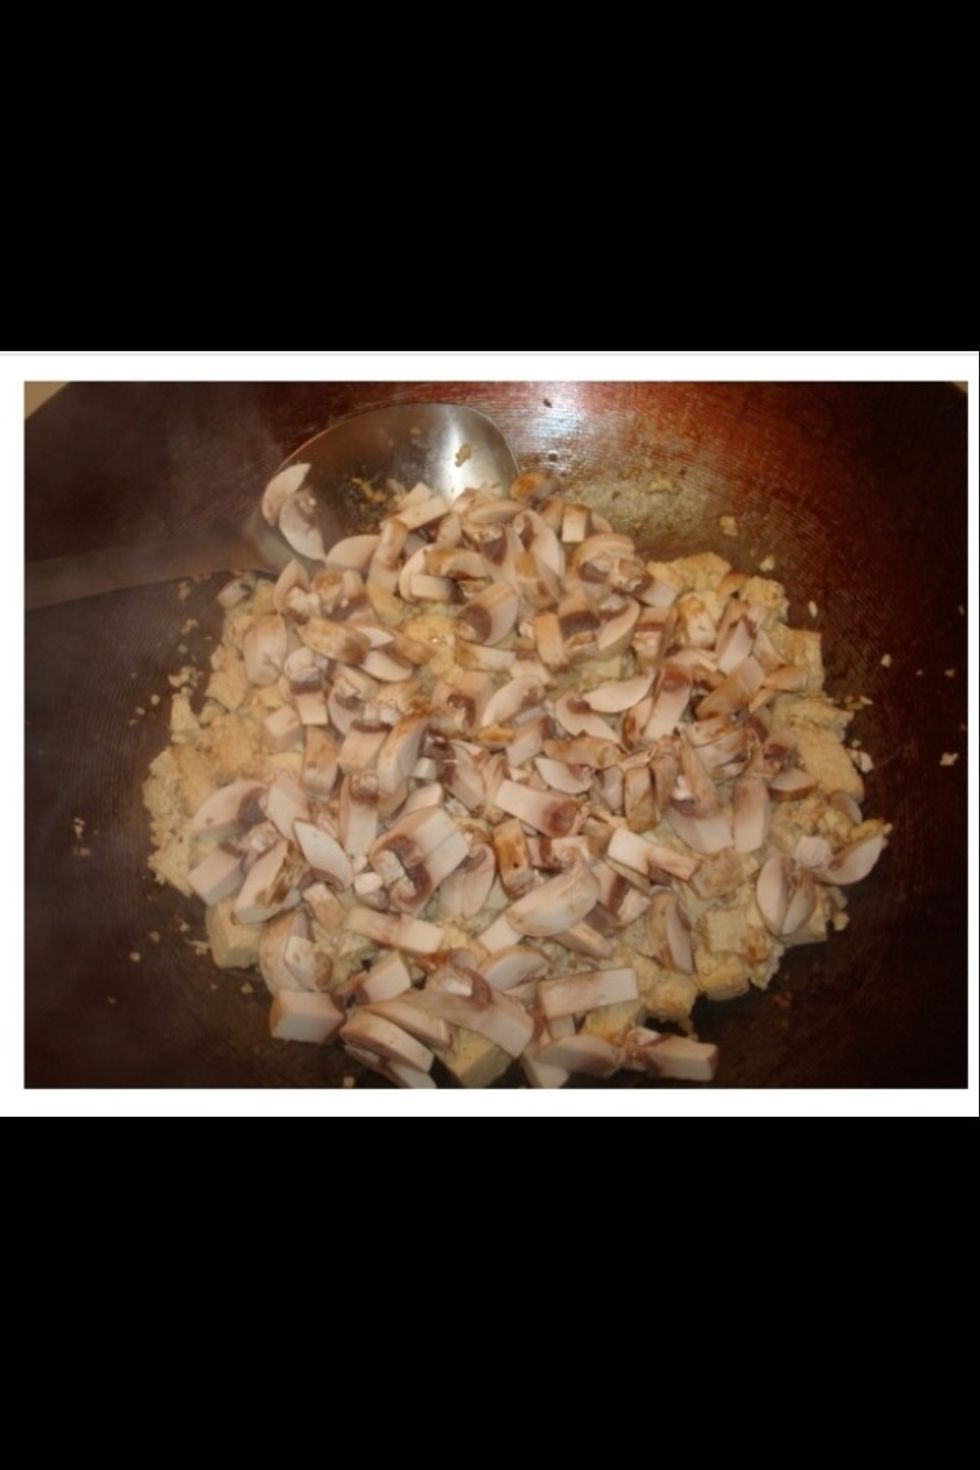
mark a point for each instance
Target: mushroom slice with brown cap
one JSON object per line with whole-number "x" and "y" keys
{"x": 581, "y": 938}
{"x": 675, "y": 1057}
{"x": 286, "y": 803}
{"x": 489, "y": 617}
{"x": 324, "y": 855}
{"x": 513, "y": 966}
{"x": 753, "y": 813}
{"x": 639, "y": 799}
{"x": 513, "y": 858}
{"x": 217, "y": 876}
{"x": 377, "y": 1034}
{"x": 583, "y": 1054}
{"x": 537, "y": 583}
{"x": 310, "y": 967}
{"x": 537, "y": 537}
{"x": 734, "y": 691}
{"x": 529, "y": 740}
{"x": 362, "y": 745}
{"x": 414, "y": 936}
{"x": 651, "y": 859}
{"x": 670, "y": 700}
{"x": 706, "y": 835}
{"x": 620, "y": 695}
{"x": 491, "y": 510}
{"x": 495, "y": 1017}
{"x": 286, "y": 483}
{"x": 578, "y": 718}
{"x": 399, "y": 753}
{"x": 517, "y": 697}
{"x": 462, "y": 778}
{"x": 319, "y": 773}
{"x": 455, "y": 563}
{"x": 227, "y": 810}
{"x": 463, "y": 894}
{"x": 283, "y": 729}
{"x": 298, "y": 523}
{"x": 549, "y": 641}
{"x": 557, "y": 904}
{"x": 573, "y": 995}
{"x": 417, "y": 1021}
{"x": 422, "y": 512}
{"x": 419, "y": 883}
{"x": 603, "y": 550}
{"x": 475, "y": 656}
{"x": 270, "y": 885}
{"x": 572, "y": 780}
{"x": 792, "y": 785}
{"x": 341, "y": 641}
{"x": 617, "y": 625}
{"x": 854, "y": 862}
{"x": 293, "y": 574}
{"x": 387, "y": 664}
{"x": 584, "y": 750}
{"x": 357, "y": 815}
{"x": 703, "y": 799}
{"x": 264, "y": 647}
{"x": 414, "y": 566}
{"x": 555, "y": 816}
{"x": 352, "y": 553}
{"x": 385, "y": 980}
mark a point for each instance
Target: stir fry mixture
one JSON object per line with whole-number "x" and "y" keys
{"x": 490, "y": 787}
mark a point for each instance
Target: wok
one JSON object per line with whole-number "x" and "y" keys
{"x": 857, "y": 490}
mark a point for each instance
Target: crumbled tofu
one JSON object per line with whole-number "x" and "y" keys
{"x": 949, "y": 758}
{"x": 473, "y": 1060}
{"x": 726, "y": 930}
{"x": 234, "y": 946}
{"x": 613, "y": 1022}
{"x": 153, "y": 935}
{"x": 729, "y": 525}
{"x": 183, "y": 590}
{"x": 463, "y": 453}
{"x": 950, "y": 673}
{"x": 78, "y": 823}
{"x": 721, "y": 977}
{"x": 768, "y": 563}
{"x": 813, "y": 609}
{"x": 135, "y": 956}
{"x": 802, "y": 648}
{"x": 769, "y": 595}
{"x": 886, "y": 660}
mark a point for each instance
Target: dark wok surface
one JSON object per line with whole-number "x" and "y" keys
{"x": 857, "y": 490}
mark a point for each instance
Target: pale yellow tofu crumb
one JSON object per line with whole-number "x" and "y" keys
{"x": 183, "y": 590}
{"x": 729, "y": 525}
{"x": 813, "y": 609}
{"x": 949, "y": 758}
{"x": 768, "y": 563}
{"x": 886, "y": 660}
{"x": 135, "y": 956}
{"x": 950, "y": 673}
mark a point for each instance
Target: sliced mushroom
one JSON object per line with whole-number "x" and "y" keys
{"x": 283, "y": 729}
{"x": 617, "y": 626}
{"x": 582, "y": 1053}
{"x": 705, "y": 835}
{"x": 217, "y": 876}
{"x": 462, "y": 778}
{"x": 674, "y": 1057}
{"x": 734, "y": 691}
{"x": 353, "y": 553}
{"x": 308, "y": 965}
{"x": 623, "y": 694}
{"x": 419, "y": 883}
{"x": 555, "y": 816}
{"x": 854, "y": 862}
{"x": 421, "y": 512}
{"x": 578, "y": 718}
{"x": 534, "y": 485}
{"x": 293, "y": 574}
{"x": 286, "y": 803}
{"x": 335, "y": 640}
{"x": 413, "y": 1019}
{"x": 653, "y": 860}
{"x": 497, "y": 1018}
{"x": 842, "y": 801}
{"x": 280, "y": 488}
{"x": 357, "y": 815}
{"x": 384, "y": 1038}
{"x": 513, "y": 966}
{"x": 475, "y": 656}
{"x": 513, "y": 859}
{"x": 549, "y": 642}
{"x": 489, "y": 617}
{"x": 362, "y": 745}
{"x": 572, "y": 780}
{"x": 581, "y": 938}
{"x": 387, "y": 978}
{"x": 735, "y": 644}
{"x": 227, "y": 810}
{"x": 773, "y": 891}
{"x": 414, "y": 936}
{"x": 529, "y": 740}
{"x": 464, "y": 892}
{"x": 557, "y": 904}
{"x": 399, "y": 752}
{"x": 792, "y": 784}
{"x": 518, "y": 697}
{"x": 752, "y": 813}
{"x": 324, "y": 855}
{"x": 298, "y": 523}
{"x": 319, "y": 773}
{"x": 269, "y": 886}
{"x": 670, "y": 700}
{"x": 575, "y": 994}
{"x": 639, "y": 799}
